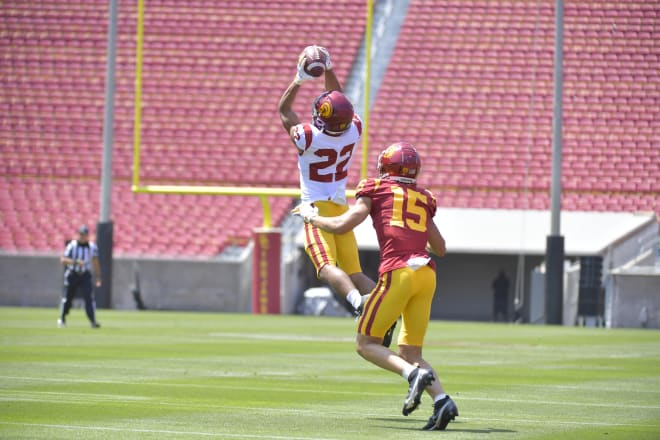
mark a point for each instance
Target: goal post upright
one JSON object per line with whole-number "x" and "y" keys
{"x": 138, "y": 94}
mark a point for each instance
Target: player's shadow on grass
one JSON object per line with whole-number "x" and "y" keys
{"x": 453, "y": 426}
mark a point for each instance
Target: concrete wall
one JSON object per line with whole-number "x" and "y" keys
{"x": 210, "y": 285}
{"x": 30, "y": 280}
{"x": 463, "y": 288}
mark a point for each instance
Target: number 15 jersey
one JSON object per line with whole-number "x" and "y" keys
{"x": 400, "y": 213}
{"x": 324, "y": 161}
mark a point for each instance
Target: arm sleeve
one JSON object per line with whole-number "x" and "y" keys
{"x": 68, "y": 250}
{"x": 433, "y": 204}
{"x": 302, "y": 136}
{"x": 365, "y": 188}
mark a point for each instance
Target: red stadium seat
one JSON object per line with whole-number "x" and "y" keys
{"x": 208, "y": 119}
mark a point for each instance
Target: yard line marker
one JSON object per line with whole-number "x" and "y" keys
{"x": 282, "y": 337}
{"x": 561, "y": 422}
{"x": 166, "y": 431}
{"x": 340, "y": 392}
{"x": 20, "y": 395}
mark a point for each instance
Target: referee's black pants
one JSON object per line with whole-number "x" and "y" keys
{"x": 73, "y": 282}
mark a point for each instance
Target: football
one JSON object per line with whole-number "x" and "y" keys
{"x": 315, "y": 60}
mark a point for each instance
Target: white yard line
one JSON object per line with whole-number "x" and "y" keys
{"x": 20, "y": 392}
{"x": 281, "y": 337}
{"x": 164, "y": 431}
{"x": 84, "y": 398}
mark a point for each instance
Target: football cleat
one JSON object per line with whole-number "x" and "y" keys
{"x": 444, "y": 411}
{"x": 418, "y": 380}
{"x": 95, "y": 325}
{"x": 360, "y": 309}
{"x": 61, "y": 323}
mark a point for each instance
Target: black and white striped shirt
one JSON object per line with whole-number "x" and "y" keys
{"x": 80, "y": 251}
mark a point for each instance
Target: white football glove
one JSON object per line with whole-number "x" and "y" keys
{"x": 301, "y": 75}
{"x": 306, "y": 210}
{"x": 328, "y": 63}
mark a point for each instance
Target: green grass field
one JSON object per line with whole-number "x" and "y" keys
{"x": 166, "y": 375}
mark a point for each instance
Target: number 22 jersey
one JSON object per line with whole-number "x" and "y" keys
{"x": 400, "y": 213}
{"x": 324, "y": 161}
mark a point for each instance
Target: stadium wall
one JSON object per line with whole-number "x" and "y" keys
{"x": 165, "y": 284}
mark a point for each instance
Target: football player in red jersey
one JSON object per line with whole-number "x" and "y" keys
{"x": 325, "y": 148}
{"x": 402, "y": 215}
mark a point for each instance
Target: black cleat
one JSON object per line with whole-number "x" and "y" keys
{"x": 444, "y": 411}
{"x": 419, "y": 379}
{"x": 387, "y": 339}
{"x": 360, "y": 309}
{"x": 95, "y": 325}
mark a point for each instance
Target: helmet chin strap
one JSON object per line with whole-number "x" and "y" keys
{"x": 333, "y": 133}
{"x": 400, "y": 179}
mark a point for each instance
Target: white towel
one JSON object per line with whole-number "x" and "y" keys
{"x": 417, "y": 262}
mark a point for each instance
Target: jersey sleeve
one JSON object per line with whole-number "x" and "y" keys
{"x": 94, "y": 250}
{"x": 358, "y": 123}
{"x": 69, "y": 249}
{"x": 302, "y": 136}
{"x": 433, "y": 204}
{"x": 366, "y": 188}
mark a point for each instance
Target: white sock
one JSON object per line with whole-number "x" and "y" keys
{"x": 439, "y": 397}
{"x": 407, "y": 370}
{"x": 354, "y": 298}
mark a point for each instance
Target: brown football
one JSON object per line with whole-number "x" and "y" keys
{"x": 314, "y": 61}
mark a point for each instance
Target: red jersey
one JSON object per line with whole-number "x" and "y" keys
{"x": 400, "y": 213}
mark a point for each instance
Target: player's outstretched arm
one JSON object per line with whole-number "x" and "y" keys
{"x": 347, "y": 221}
{"x": 331, "y": 80}
{"x": 288, "y": 117}
{"x": 97, "y": 270}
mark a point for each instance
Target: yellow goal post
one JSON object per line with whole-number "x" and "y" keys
{"x": 262, "y": 192}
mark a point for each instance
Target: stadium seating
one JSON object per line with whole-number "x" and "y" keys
{"x": 470, "y": 83}
{"x": 213, "y": 73}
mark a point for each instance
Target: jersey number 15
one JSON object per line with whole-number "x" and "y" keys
{"x": 408, "y": 209}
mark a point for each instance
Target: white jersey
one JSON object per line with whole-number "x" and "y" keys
{"x": 324, "y": 161}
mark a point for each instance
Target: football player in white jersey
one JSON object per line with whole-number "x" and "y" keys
{"x": 325, "y": 148}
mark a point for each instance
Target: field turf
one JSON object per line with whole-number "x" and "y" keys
{"x": 171, "y": 375}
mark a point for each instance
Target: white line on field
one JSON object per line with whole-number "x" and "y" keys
{"x": 616, "y": 404}
{"x": 282, "y": 337}
{"x": 81, "y": 398}
{"x": 165, "y": 431}
{"x": 277, "y": 437}
{"x": 555, "y": 422}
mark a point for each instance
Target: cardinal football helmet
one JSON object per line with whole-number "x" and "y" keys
{"x": 400, "y": 161}
{"x": 332, "y": 112}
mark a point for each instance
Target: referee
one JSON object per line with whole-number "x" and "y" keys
{"x": 79, "y": 257}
